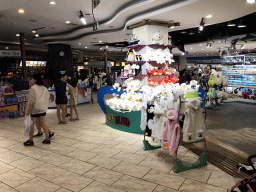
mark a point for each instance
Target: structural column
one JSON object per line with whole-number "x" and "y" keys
{"x": 106, "y": 60}
{"x": 23, "y": 56}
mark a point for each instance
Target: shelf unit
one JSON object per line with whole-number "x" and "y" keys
{"x": 240, "y": 70}
{"x": 150, "y": 45}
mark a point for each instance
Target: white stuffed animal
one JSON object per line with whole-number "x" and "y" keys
{"x": 217, "y": 76}
{"x": 158, "y": 38}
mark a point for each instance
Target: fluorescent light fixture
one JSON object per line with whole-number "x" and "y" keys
{"x": 21, "y": 11}
{"x": 241, "y": 24}
{"x": 81, "y": 17}
{"x": 67, "y": 22}
{"x": 250, "y": 1}
{"x": 230, "y": 24}
{"x": 209, "y": 16}
{"x": 36, "y": 35}
{"x": 52, "y": 3}
{"x": 17, "y": 35}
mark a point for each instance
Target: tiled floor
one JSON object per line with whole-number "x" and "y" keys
{"x": 89, "y": 156}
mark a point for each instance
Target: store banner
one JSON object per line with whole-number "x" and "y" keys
{"x": 204, "y": 60}
{"x": 124, "y": 121}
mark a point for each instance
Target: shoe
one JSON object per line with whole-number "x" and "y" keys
{"x": 46, "y": 141}
{"x": 38, "y": 135}
{"x": 67, "y": 115}
{"x": 28, "y": 143}
{"x": 51, "y": 135}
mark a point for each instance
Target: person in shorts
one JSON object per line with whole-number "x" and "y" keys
{"x": 37, "y": 106}
{"x": 61, "y": 97}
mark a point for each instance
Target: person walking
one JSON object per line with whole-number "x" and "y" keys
{"x": 37, "y": 106}
{"x": 73, "y": 92}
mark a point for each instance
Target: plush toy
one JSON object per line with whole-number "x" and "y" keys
{"x": 194, "y": 126}
{"x": 225, "y": 81}
{"x": 169, "y": 40}
{"x": 211, "y": 80}
{"x": 217, "y": 77}
{"x": 158, "y": 127}
{"x": 171, "y": 133}
{"x": 157, "y": 38}
{"x": 130, "y": 56}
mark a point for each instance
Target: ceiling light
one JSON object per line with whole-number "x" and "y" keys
{"x": 110, "y": 50}
{"x": 182, "y": 53}
{"x": 85, "y": 47}
{"x": 52, "y": 3}
{"x": 202, "y": 49}
{"x": 200, "y": 45}
{"x": 191, "y": 48}
{"x": 106, "y": 46}
{"x": 33, "y": 31}
{"x": 67, "y": 22}
{"x": 221, "y": 47}
{"x": 209, "y": 16}
{"x": 172, "y": 27}
{"x": 251, "y": 1}
{"x": 100, "y": 41}
{"x": 21, "y": 11}
{"x": 183, "y": 32}
{"x": 17, "y": 35}
{"x": 36, "y": 35}
{"x": 241, "y": 24}
{"x": 79, "y": 43}
{"x": 81, "y": 17}
{"x": 101, "y": 48}
{"x": 201, "y": 27}
{"x": 207, "y": 54}
{"x": 6, "y": 47}
{"x": 230, "y": 24}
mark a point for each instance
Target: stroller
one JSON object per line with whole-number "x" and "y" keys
{"x": 248, "y": 184}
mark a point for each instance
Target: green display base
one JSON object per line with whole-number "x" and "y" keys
{"x": 147, "y": 146}
{"x": 124, "y": 121}
{"x": 179, "y": 167}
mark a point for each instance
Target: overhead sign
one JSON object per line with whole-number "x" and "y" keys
{"x": 10, "y": 53}
{"x": 95, "y": 3}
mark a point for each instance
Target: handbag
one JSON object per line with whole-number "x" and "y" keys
{"x": 28, "y": 124}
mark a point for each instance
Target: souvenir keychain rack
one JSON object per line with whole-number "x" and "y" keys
{"x": 178, "y": 165}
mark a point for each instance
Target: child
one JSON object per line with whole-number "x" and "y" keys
{"x": 73, "y": 100}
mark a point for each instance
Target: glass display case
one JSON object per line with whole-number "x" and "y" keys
{"x": 240, "y": 69}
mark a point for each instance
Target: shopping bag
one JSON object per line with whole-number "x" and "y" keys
{"x": 28, "y": 124}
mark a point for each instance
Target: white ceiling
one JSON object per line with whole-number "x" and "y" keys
{"x": 188, "y": 12}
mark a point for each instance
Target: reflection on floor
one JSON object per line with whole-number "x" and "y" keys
{"x": 88, "y": 156}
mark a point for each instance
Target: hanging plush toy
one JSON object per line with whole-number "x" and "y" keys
{"x": 171, "y": 133}
{"x": 194, "y": 126}
{"x": 130, "y": 56}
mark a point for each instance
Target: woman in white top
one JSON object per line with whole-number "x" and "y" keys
{"x": 37, "y": 106}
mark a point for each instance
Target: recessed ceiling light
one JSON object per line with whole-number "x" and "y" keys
{"x": 100, "y": 41}
{"x": 85, "y": 47}
{"x": 202, "y": 49}
{"x": 6, "y": 47}
{"x": 251, "y": 1}
{"x": 207, "y": 54}
{"x": 172, "y": 27}
{"x": 100, "y": 48}
{"x": 33, "y": 31}
{"x": 209, "y": 16}
{"x": 106, "y": 46}
{"x": 36, "y": 35}
{"x": 110, "y": 50}
{"x": 67, "y": 22}
{"x": 230, "y": 24}
{"x": 21, "y": 11}
{"x": 17, "y": 35}
{"x": 52, "y": 3}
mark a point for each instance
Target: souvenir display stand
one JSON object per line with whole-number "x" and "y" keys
{"x": 152, "y": 99}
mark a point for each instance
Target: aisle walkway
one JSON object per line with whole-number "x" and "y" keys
{"x": 88, "y": 156}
